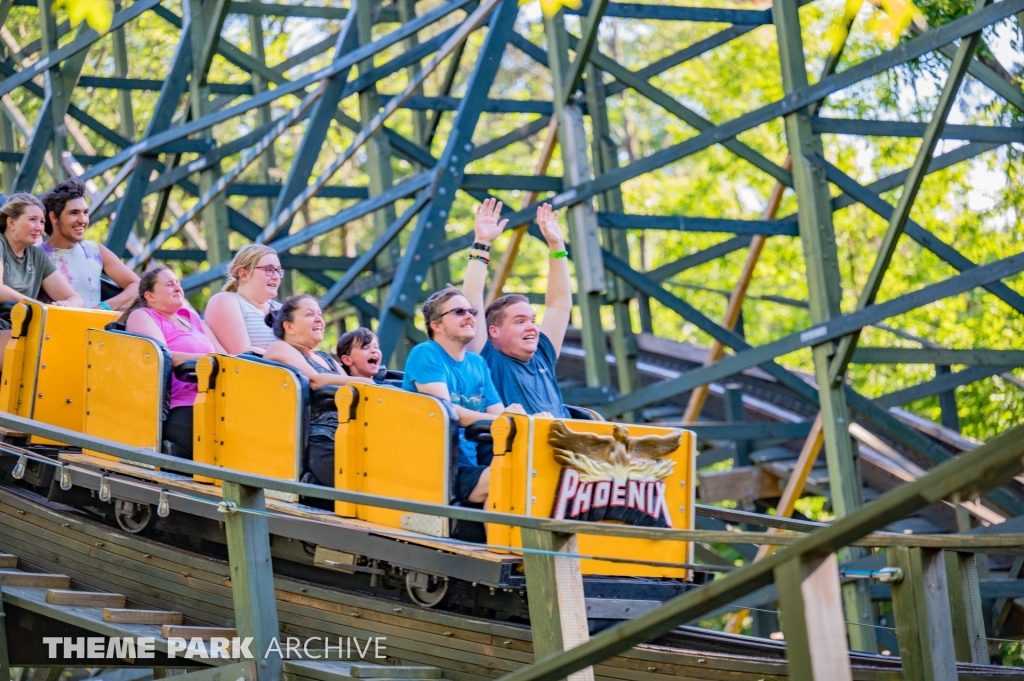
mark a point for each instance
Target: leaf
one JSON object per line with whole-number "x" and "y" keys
{"x": 552, "y": 7}
{"x": 97, "y": 13}
{"x": 838, "y": 32}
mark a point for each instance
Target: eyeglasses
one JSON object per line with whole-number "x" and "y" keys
{"x": 271, "y": 270}
{"x": 459, "y": 312}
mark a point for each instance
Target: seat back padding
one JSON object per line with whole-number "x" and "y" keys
{"x": 21, "y": 358}
{"x": 251, "y": 415}
{"x": 47, "y": 360}
{"x": 393, "y": 443}
{"x": 128, "y": 381}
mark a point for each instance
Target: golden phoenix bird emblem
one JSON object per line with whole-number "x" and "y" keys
{"x": 613, "y": 477}
{"x": 619, "y": 456}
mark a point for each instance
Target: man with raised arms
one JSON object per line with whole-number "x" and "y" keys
{"x": 520, "y": 354}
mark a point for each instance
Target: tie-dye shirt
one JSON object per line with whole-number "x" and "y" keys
{"x": 82, "y": 266}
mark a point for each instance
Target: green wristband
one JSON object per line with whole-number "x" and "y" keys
{"x": 560, "y": 254}
{"x": 103, "y": 305}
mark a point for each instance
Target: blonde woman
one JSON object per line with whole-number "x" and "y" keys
{"x": 24, "y": 268}
{"x": 236, "y": 315}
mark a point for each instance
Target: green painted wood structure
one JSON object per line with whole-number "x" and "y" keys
{"x": 805, "y": 571}
{"x": 193, "y": 146}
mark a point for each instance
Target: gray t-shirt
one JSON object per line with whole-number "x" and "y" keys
{"x": 531, "y": 384}
{"x": 25, "y": 274}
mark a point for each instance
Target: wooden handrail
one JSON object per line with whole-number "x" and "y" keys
{"x": 1003, "y": 543}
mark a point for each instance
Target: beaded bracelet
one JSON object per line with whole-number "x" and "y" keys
{"x": 481, "y": 258}
{"x": 559, "y": 254}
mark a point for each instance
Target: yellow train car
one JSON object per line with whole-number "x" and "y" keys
{"x": 600, "y": 472}
{"x": 253, "y": 415}
{"x": 45, "y": 364}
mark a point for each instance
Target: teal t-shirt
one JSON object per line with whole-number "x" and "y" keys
{"x": 468, "y": 381}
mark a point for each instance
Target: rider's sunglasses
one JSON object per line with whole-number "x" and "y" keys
{"x": 459, "y": 312}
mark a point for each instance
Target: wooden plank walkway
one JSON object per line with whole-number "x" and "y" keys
{"x": 90, "y": 610}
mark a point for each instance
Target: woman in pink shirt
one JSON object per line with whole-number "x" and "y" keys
{"x": 159, "y": 312}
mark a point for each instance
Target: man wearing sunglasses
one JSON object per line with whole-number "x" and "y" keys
{"x": 520, "y": 353}
{"x": 441, "y": 367}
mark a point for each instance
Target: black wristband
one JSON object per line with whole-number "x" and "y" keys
{"x": 480, "y": 247}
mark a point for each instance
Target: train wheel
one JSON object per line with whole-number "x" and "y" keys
{"x": 418, "y": 585}
{"x": 132, "y": 517}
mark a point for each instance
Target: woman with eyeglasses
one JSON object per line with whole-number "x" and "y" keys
{"x": 236, "y": 315}
{"x": 299, "y": 328}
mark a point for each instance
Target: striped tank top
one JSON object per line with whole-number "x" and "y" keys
{"x": 260, "y": 335}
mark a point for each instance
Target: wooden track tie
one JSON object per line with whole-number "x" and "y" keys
{"x": 129, "y": 616}
{"x": 8, "y": 560}
{"x": 205, "y": 633}
{"x": 379, "y": 671}
{"x": 37, "y": 580}
{"x": 335, "y": 670}
{"x": 90, "y": 599}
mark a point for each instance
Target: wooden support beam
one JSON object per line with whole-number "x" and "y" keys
{"x": 787, "y": 503}
{"x": 584, "y": 236}
{"x": 1002, "y": 606}
{"x": 36, "y": 580}
{"x": 129, "y": 616}
{"x": 744, "y": 483}
{"x": 824, "y": 285}
{"x": 554, "y": 587}
{"x": 240, "y": 671}
{"x": 798, "y": 480}
{"x": 252, "y": 575}
{"x": 89, "y": 599}
{"x": 965, "y": 607}
{"x": 920, "y": 603}
{"x": 8, "y": 561}
{"x": 205, "y": 633}
{"x": 813, "y": 622}
{"x": 5, "y": 660}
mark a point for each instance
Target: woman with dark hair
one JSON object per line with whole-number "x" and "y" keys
{"x": 159, "y": 312}
{"x": 299, "y": 326}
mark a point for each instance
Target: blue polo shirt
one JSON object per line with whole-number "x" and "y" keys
{"x": 468, "y": 381}
{"x": 532, "y": 383}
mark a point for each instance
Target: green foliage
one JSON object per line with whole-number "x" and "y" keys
{"x": 1013, "y": 653}
{"x": 974, "y": 206}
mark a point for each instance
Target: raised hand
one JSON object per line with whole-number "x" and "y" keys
{"x": 486, "y": 227}
{"x": 547, "y": 219}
